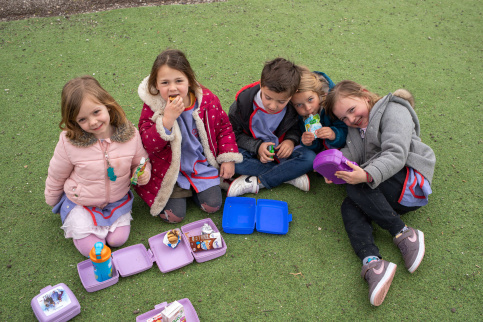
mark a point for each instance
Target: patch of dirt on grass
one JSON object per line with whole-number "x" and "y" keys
{"x": 22, "y": 9}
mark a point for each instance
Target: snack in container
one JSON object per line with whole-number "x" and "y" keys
{"x": 312, "y": 123}
{"x": 206, "y": 229}
{"x": 172, "y": 238}
{"x": 205, "y": 242}
{"x": 173, "y": 313}
{"x": 139, "y": 170}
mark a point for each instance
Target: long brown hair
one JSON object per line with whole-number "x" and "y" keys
{"x": 74, "y": 93}
{"x": 174, "y": 59}
{"x": 348, "y": 88}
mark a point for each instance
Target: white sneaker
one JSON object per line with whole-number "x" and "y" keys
{"x": 302, "y": 182}
{"x": 241, "y": 185}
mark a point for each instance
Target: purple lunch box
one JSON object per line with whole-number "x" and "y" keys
{"x": 189, "y": 311}
{"x": 328, "y": 162}
{"x": 136, "y": 258}
{"x": 55, "y": 303}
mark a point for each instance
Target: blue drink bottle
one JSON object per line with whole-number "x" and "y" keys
{"x": 100, "y": 256}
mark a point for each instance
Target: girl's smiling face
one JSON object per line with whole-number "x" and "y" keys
{"x": 94, "y": 118}
{"x": 171, "y": 83}
{"x": 353, "y": 111}
{"x": 306, "y": 103}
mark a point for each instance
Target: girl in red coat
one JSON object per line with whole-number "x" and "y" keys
{"x": 188, "y": 137}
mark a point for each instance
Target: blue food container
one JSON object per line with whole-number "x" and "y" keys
{"x": 239, "y": 215}
{"x": 55, "y": 303}
{"x": 243, "y": 215}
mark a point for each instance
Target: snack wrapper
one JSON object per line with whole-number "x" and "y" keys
{"x": 205, "y": 242}
{"x": 312, "y": 123}
{"x": 206, "y": 229}
{"x": 172, "y": 238}
{"x": 139, "y": 170}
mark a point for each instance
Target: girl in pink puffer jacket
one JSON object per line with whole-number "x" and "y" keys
{"x": 88, "y": 180}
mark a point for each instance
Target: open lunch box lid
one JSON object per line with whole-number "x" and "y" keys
{"x": 241, "y": 215}
{"x": 55, "y": 303}
{"x": 328, "y": 162}
{"x": 136, "y": 258}
{"x": 189, "y": 311}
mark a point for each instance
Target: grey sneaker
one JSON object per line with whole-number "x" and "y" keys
{"x": 379, "y": 275}
{"x": 242, "y": 185}
{"x": 411, "y": 245}
{"x": 302, "y": 182}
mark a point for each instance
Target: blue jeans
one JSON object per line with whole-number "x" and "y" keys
{"x": 273, "y": 174}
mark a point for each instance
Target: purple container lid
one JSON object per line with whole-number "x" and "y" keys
{"x": 55, "y": 303}
{"x": 328, "y": 162}
{"x": 167, "y": 258}
{"x": 189, "y": 311}
{"x": 194, "y": 229}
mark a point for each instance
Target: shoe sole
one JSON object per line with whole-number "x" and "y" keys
{"x": 380, "y": 291}
{"x": 419, "y": 257}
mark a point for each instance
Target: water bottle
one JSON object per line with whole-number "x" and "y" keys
{"x": 100, "y": 256}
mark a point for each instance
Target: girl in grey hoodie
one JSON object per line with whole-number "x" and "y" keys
{"x": 393, "y": 178}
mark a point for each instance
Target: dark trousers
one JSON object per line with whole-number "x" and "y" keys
{"x": 364, "y": 205}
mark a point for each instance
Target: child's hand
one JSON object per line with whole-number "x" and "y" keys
{"x": 308, "y": 138}
{"x": 227, "y": 170}
{"x": 325, "y": 133}
{"x": 172, "y": 111}
{"x": 358, "y": 175}
{"x": 285, "y": 149}
{"x": 327, "y": 180}
{"x": 144, "y": 178}
{"x": 264, "y": 154}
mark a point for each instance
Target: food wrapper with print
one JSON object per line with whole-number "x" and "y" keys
{"x": 312, "y": 123}
{"x": 172, "y": 238}
{"x": 205, "y": 242}
{"x": 174, "y": 313}
{"x": 139, "y": 171}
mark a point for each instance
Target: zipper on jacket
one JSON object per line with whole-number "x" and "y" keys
{"x": 106, "y": 179}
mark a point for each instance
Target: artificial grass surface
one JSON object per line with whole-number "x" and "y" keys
{"x": 432, "y": 48}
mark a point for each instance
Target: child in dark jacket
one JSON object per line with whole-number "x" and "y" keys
{"x": 307, "y": 101}
{"x": 267, "y": 133}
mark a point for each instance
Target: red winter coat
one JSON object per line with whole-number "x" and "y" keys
{"x": 215, "y": 133}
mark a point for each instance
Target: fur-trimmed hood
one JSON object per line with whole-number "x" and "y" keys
{"x": 121, "y": 134}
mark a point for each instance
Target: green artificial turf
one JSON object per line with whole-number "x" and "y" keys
{"x": 432, "y": 48}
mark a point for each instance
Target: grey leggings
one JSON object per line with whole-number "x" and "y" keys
{"x": 175, "y": 210}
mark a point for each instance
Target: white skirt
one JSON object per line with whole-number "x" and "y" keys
{"x": 79, "y": 224}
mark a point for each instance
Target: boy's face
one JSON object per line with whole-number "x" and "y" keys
{"x": 272, "y": 101}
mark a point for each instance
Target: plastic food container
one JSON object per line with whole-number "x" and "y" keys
{"x": 329, "y": 161}
{"x": 241, "y": 215}
{"x": 189, "y": 311}
{"x": 55, "y": 303}
{"x": 136, "y": 258}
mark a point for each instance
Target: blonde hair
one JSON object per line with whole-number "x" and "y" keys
{"x": 74, "y": 93}
{"x": 348, "y": 88}
{"x": 312, "y": 82}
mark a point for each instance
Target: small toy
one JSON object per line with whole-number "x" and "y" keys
{"x": 328, "y": 162}
{"x": 312, "y": 123}
{"x": 100, "y": 256}
{"x": 271, "y": 149}
{"x": 139, "y": 171}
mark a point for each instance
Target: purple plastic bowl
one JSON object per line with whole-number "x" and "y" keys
{"x": 329, "y": 161}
